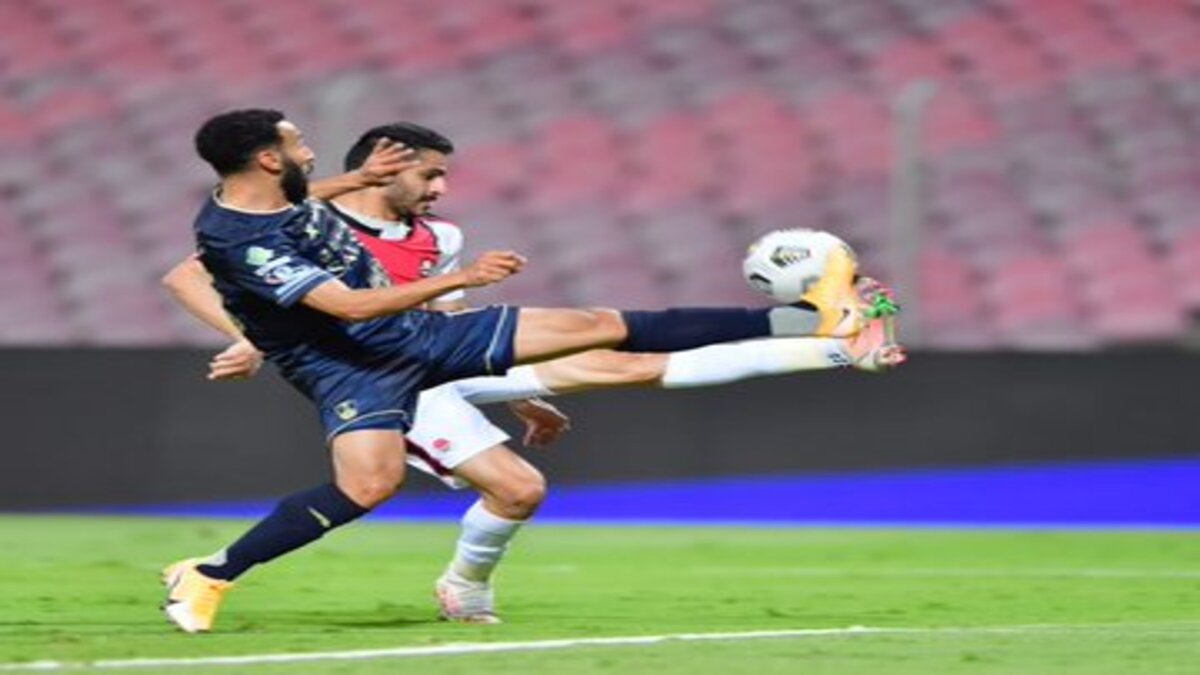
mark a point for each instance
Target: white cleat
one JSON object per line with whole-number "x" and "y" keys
{"x": 465, "y": 601}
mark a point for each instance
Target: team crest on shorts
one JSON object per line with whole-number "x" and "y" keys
{"x": 346, "y": 410}
{"x": 441, "y": 445}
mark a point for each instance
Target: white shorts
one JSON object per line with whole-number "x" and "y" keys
{"x": 447, "y": 431}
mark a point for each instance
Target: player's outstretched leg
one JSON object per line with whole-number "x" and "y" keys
{"x": 831, "y": 307}
{"x": 369, "y": 466}
{"x": 872, "y": 349}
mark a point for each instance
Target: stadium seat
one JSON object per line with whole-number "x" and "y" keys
{"x": 907, "y": 61}
{"x": 1141, "y": 307}
{"x": 952, "y": 308}
{"x": 585, "y": 28}
{"x": 1128, "y": 290}
{"x": 854, "y": 127}
{"x": 650, "y": 15}
{"x": 1183, "y": 259}
{"x": 1032, "y": 303}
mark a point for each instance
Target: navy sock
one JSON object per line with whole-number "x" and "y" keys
{"x": 297, "y": 520}
{"x": 675, "y": 330}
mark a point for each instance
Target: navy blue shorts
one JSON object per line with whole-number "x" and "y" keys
{"x": 375, "y": 386}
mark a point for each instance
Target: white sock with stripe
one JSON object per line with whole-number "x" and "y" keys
{"x": 482, "y": 543}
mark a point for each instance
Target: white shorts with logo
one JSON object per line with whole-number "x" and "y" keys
{"x": 447, "y": 431}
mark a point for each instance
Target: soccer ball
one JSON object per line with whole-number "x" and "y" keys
{"x": 786, "y": 264}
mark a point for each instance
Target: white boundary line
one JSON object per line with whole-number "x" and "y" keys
{"x": 1069, "y": 573}
{"x": 546, "y": 645}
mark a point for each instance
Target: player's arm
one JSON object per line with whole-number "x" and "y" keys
{"x": 349, "y": 304}
{"x": 191, "y": 286}
{"x": 387, "y": 159}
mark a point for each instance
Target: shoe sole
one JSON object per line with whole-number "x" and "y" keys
{"x": 446, "y": 615}
{"x": 170, "y": 577}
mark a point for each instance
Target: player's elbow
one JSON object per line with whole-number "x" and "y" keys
{"x": 173, "y": 280}
{"x": 352, "y": 313}
{"x": 342, "y": 303}
{"x": 354, "y": 305}
{"x": 355, "y": 309}
{"x": 183, "y": 274}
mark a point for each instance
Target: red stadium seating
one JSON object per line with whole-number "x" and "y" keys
{"x": 1184, "y": 264}
{"x": 636, "y": 146}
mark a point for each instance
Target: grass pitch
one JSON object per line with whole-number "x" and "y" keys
{"x": 80, "y": 590}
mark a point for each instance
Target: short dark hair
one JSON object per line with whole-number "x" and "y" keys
{"x": 229, "y": 140}
{"x": 410, "y": 134}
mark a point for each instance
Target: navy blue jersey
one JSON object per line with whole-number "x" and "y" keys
{"x": 363, "y": 375}
{"x": 264, "y": 263}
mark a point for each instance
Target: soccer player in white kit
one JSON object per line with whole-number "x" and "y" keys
{"x": 450, "y": 438}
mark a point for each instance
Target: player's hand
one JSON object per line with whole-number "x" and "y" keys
{"x": 387, "y": 159}
{"x": 544, "y": 423}
{"x": 492, "y": 267}
{"x": 239, "y": 361}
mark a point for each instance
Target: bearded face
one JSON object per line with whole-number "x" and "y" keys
{"x": 294, "y": 181}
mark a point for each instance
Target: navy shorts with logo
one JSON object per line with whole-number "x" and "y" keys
{"x": 376, "y": 385}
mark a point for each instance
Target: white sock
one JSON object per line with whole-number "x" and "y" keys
{"x": 519, "y": 383}
{"x": 482, "y": 543}
{"x": 724, "y": 363}
{"x": 789, "y": 321}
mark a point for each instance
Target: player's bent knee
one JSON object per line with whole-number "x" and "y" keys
{"x": 606, "y": 324}
{"x": 369, "y": 495}
{"x": 530, "y": 495}
{"x": 369, "y": 465}
{"x": 609, "y": 319}
{"x": 520, "y": 499}
{"x": 370, "y": 489}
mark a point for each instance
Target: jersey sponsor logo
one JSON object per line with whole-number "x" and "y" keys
{"x": 346, "y": 410}
{"x": 280, "y": 270}
{"x": 441, "y": 445}
{"x": 257, "y": 256}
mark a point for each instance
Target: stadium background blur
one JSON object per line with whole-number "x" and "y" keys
{"x": 1026, "y": 170}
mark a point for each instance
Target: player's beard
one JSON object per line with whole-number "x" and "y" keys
{"x": 294, "y": 182}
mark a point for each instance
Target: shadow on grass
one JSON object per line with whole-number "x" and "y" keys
{"x": 333, "y": 621}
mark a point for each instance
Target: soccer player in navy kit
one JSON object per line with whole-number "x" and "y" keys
{"x": 451, "y": 439}
{"x": 306, "y": 292}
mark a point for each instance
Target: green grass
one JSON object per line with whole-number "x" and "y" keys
{"x": 81, "y": 589}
